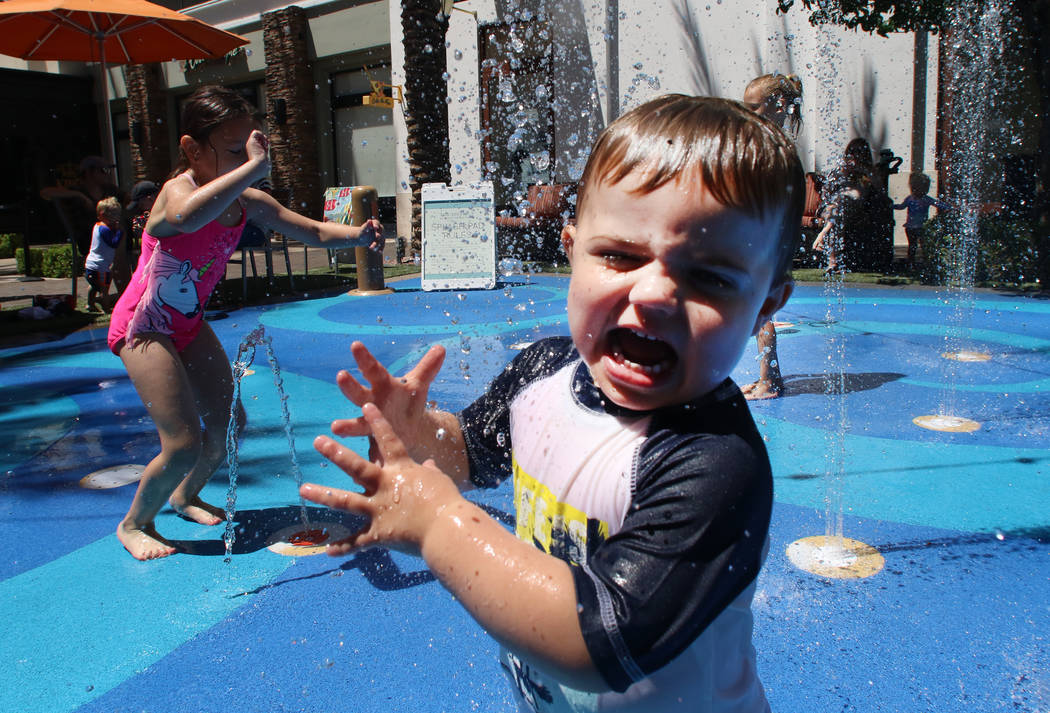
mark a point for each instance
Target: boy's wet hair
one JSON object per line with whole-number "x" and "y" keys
{"x": 746, "y": 162}
{"x": 108, "y": 207}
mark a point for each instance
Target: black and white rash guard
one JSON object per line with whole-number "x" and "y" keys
{"x": 662, "y": 515}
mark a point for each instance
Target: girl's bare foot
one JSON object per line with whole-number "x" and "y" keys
{"x": 199, "y": 511}
{"x": 143, "y": 543}
{"x": 761, "y": 389}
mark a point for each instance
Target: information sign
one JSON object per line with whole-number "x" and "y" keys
{"x": 459, "y": 240}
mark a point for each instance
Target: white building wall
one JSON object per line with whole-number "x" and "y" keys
{"x": 854, "y": 84}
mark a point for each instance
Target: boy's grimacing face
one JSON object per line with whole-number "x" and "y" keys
{"x": 666, "y": 289}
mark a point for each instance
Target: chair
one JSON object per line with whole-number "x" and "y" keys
{"x": 536, "y": 235}
{"x": 811, "y": 211}
{"x": 255, "y": 238}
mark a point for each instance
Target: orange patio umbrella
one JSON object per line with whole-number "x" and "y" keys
{"x": 107, "y": 32}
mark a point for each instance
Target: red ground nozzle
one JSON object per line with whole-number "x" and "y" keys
{"x": 308, "y": 538}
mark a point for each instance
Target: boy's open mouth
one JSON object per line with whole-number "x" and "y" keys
{"x": 641, "y": 352}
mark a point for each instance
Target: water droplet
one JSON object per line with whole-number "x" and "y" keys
{"x": 440, "y": 434}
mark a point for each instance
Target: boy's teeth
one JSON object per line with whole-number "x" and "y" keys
{"x": 647, "y": 368}
{"x": 643, "y": 335}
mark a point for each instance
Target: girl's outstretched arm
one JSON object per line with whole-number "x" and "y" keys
{"x": 267, "y": 211}
{"x": 522, "y": 596}
{"x": 182, "y": 207}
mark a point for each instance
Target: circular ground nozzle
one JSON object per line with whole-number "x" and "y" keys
{"x": 943, "y": 422}
{"x": 301, "y": 540}
{"x": 112, "y": 477}
{"x": 835, "y": 557}
{"x": 967, "y": 355}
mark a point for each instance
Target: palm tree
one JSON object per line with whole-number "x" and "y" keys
{"x": 424, "y": 25}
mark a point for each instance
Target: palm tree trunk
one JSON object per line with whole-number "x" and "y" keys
{"x": 426, "y": 100}
{"x": 1036, "y": 17}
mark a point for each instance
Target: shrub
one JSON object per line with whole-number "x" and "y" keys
{"x": 58, "y": 261}
{"x": 1005, "y": 250}
{"x": 55, "y": 261}
{"x": 7, "y": 244}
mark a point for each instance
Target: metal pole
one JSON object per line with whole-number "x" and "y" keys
{"x": 111, "y": 153}
{"x": 369, "y": 263}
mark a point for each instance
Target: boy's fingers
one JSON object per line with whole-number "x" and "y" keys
{"x": 362, "y": 472}
{"x": 352, "y": 388}
{"x": 428, "y": 367}
{"x": 388, "y": 444}
{"x": 342, "y": 547}
{"x": 370, "y": 367}
{"x": 334, "y": 498}
{"x": 351, "y": 427}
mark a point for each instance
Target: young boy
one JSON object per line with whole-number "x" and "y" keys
{"x": 642, "y": 487}
{"x": 105, "y": 237}
{"x": 918, "y": 206}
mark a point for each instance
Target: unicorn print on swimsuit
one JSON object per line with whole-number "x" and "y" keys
{"x": 172, "y": 288}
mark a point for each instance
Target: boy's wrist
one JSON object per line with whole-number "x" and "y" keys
{"x": 448, "y": 525}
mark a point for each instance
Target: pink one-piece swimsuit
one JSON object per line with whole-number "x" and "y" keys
{"x": 172, "y": 283}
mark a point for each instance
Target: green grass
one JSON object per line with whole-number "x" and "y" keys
{"x": 815, "y": 274}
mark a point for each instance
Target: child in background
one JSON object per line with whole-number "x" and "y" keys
{"x": 777, "y": 97}
{"x": 918, "y": 206}
{"x": 105, "y": 237}
{"x": 175, "y": 361}
{"x": 142, "y": 197}
{"x": 642, "y": 487}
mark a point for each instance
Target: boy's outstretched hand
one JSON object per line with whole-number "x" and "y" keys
{"x": 402, "y": 498}
{"x": 403, "y": 401}
{"x": 522, "y": 596}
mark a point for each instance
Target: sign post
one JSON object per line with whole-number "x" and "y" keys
{"x": 354, "y": 205}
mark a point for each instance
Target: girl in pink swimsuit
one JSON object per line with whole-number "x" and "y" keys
{"x": 174, "y": 359}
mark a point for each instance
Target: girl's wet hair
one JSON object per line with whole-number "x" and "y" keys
{"x": 785, "y": 87}
{"x": 744, "y": 161}
{"x": 858, "y": 153}
{"x": 207, "y": 108}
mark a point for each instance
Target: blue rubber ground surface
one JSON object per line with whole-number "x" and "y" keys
{"x": 958, "y": 618}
